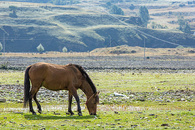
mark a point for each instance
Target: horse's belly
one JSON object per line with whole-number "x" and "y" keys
{"x": 54, "y": 86}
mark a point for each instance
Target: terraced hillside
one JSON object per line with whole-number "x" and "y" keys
{"x": 78, "y": 28}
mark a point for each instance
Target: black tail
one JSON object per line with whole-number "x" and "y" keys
{"x": 87, "y": 77}
{"x": 26, "y": 86}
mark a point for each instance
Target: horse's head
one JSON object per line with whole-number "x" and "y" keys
{"x": 92, "y": 103}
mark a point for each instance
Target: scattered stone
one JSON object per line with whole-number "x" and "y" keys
{"x": 141, "y": 99}
{"x": 2, "y": 100}
{"x": 56, "y": 113}
{"x": 165, "y": 125}
{"x": 115, "y": 112}
{"x": 18, "y": 112}
{"x": 151, "y": 114}
{"x": 119, "y": 95}
{"x": 133, "y": 126}
{"x": 172, "y": 114}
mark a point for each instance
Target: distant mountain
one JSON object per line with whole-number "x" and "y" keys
{"x": 77, "y": 29}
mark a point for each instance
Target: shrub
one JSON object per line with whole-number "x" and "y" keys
{"x": 4, "y": 66}
{"x": 116, "y": 10}
{"x": 133, "y": 51}
{"x": 180, "y": 47}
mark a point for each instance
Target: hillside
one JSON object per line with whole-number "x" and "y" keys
{"x": 78, "y": 28}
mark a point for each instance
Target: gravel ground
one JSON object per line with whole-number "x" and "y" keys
{"x": 105, "y": 62}
{"x": 14, "y": 93}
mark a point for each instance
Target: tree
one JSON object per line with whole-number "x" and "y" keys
{"x": 40, "y": 48}
{"x": 116, "y": 10}
{"x": 108, "y": 4}
{"x": 13, "y": 14}
{"x": 131, "y": 7}
{"x": 183, "y": 25}
{"x": 64, "y": 49}
{"x": 187, "y": 28}
{"x": 144, "y": 15}
{"x": 1, "y": 46}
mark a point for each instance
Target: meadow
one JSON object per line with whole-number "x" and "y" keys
{"x": 129, "y": 99}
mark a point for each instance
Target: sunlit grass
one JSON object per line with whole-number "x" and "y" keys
{"x": 143, "y": 82}
{"x": 122, "y": 81}
{"x": 150, "y": 119}
{"x": 148, "y": 114}
{"x": 11, "y": 77}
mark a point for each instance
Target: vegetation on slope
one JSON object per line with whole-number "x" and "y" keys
{"x": 77, "y": 29}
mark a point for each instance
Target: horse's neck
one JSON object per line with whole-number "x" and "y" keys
{"x": 86, "y": 88}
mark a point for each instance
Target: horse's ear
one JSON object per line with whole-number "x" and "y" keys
{"x": 96, "y": 97}
{"x": 97, "y": 93}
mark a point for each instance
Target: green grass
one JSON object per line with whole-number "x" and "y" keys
{"x": 105, "y": 120}
{"x": 142, "y": 82}
{"x": 11, "y": 77}
{"x": 115, "y": 113}
{"x": 123, "y": 80}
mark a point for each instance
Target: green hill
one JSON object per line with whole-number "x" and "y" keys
{"x": 76, "y": 28}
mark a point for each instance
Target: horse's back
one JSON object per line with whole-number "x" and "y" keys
{"x": 53, "y": 76}
{"x": 45, "y": 70}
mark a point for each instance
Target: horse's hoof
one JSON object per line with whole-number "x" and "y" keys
{"x": 80, "y": 114}
{"x": 69, "y": 113}
{"x": 34, "y": 113}
{"x": 40, "y": 111}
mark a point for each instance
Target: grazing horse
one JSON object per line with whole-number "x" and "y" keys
{"x": 60, "y": 77}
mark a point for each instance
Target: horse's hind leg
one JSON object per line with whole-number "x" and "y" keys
{"x": 38, "y": 105}
{"x": 33, "y": 92}
{"x": 70, "y": 103}
{"x": 30, "y": 105}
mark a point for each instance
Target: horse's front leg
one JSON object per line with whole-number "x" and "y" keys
{"x": 74, "y": 93}
{"x": 70, "y": 103}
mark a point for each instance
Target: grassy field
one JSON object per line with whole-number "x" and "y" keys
{"x": 153, "y": 100}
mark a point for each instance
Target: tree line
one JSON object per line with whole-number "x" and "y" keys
{"x": 40, "y": 48}
{"x": 56, "y": 2}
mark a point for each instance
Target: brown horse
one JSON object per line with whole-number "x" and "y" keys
{"x": 60, "y": 77}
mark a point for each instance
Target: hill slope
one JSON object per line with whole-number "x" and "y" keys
{"x": 77, "y": 29}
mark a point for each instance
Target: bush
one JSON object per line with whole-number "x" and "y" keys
{"x": 191, "y": 51}
{"x": 133, "y": 51}
{"x": 131, "y": 7}
{"x": 180, "y": 47}
{"x": 4, "y": 66}
{"x": 116, "y": 10}
{"x": 13, "y": 14}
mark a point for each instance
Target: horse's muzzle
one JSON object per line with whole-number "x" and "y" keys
{"x": 93, "y": 114}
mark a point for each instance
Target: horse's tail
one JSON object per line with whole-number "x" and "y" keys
{"x": 26, "y": 86}
{"x": 83, "y": 72}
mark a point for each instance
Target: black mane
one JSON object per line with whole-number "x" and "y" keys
{"x": 81, "y": 69}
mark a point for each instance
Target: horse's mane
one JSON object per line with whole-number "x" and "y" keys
{"x": 81, "y": 69}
